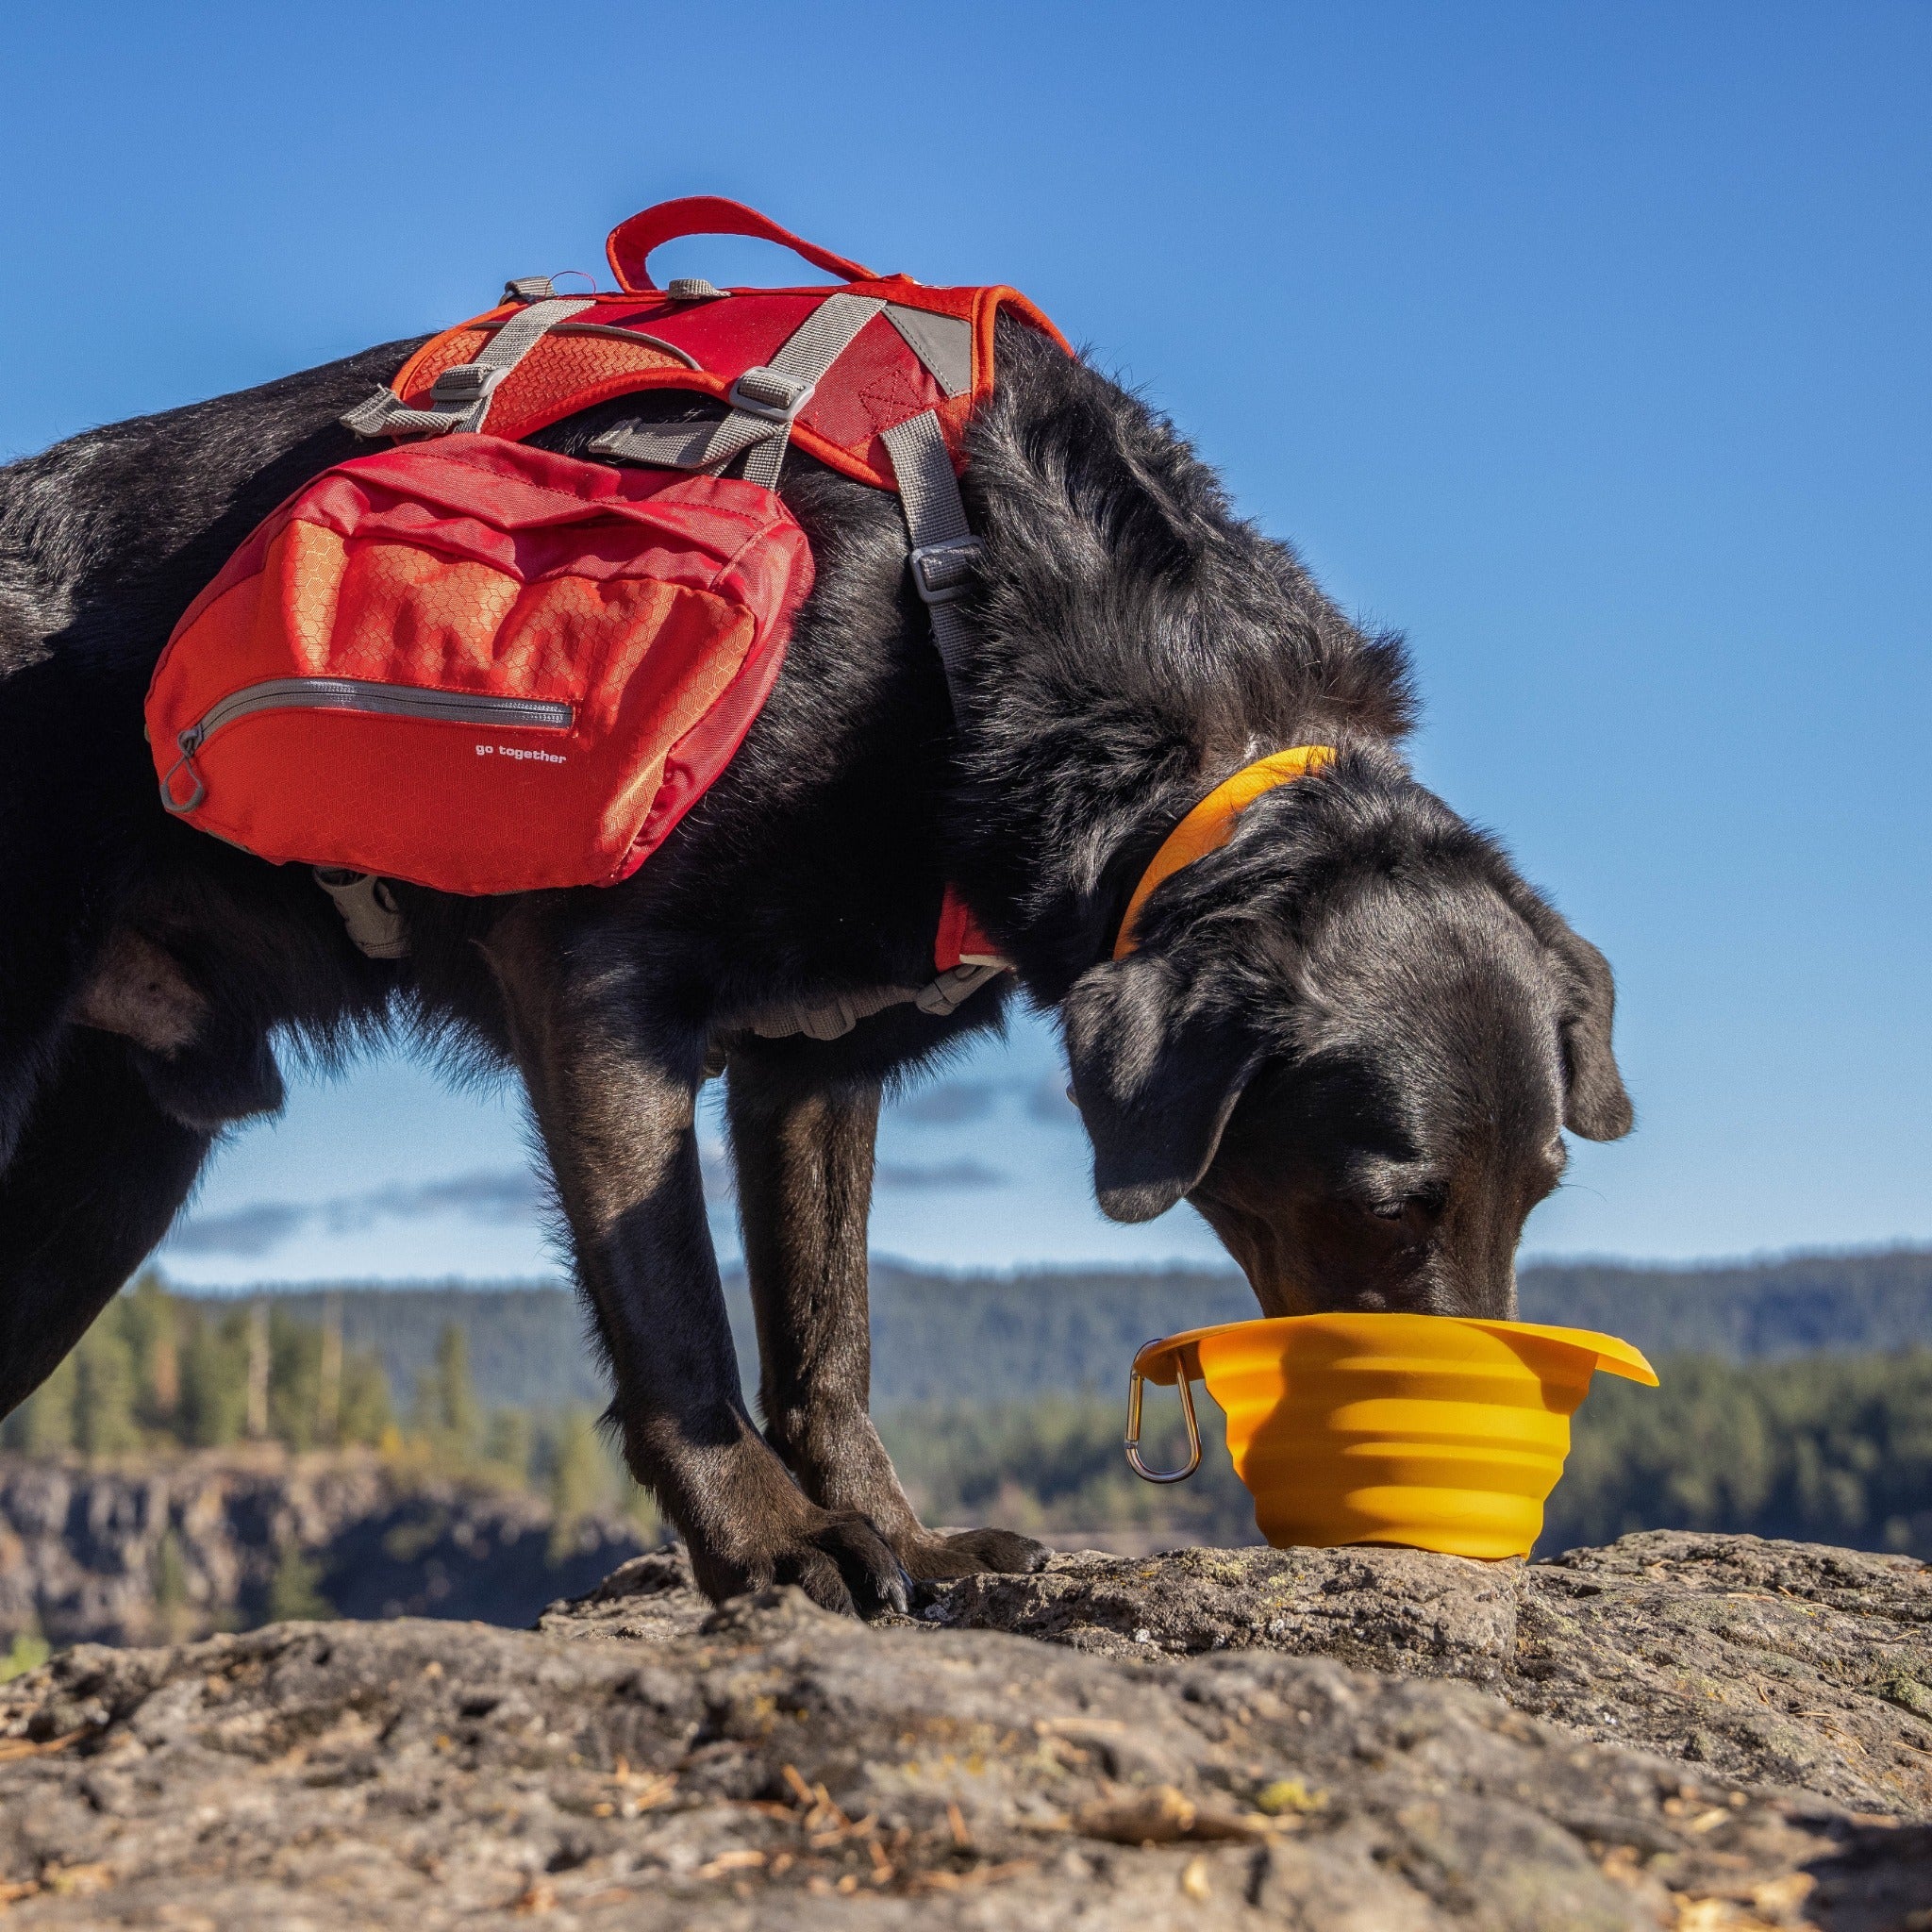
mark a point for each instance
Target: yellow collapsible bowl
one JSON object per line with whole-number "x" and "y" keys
{"x": 1430, "y": 1430}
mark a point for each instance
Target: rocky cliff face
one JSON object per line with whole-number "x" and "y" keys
{"x": 1677, "y": 1731}
{"x": 178, "y": 1546}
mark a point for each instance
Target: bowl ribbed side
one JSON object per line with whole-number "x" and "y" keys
{"x": 1454, "y": 1452}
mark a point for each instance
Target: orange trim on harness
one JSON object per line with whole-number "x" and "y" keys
{"x": 1212, "y": 822}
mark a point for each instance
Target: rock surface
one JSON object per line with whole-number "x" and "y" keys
{"x": 1211, "y": 1738}
{"x": 1777, "y": 1662}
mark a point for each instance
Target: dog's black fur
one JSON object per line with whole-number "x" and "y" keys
{"x": 1350, "y": 1037}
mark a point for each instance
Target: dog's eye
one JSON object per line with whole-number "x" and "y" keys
{"x": 1427, "y": 1199}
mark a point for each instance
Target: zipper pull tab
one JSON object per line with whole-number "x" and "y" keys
{"x": 189, "y": 741}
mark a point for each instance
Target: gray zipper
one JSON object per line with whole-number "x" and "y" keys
{"x": 356, "y": 695}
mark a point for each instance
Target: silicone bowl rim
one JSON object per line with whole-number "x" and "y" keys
{"x": 1161, "y": 1361}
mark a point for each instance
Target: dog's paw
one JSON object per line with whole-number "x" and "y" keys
{"x": 972, "y": 1552}
{"x": 839, "y": 1560}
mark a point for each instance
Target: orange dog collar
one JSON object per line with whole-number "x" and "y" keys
{"x": 1210, "y": 824}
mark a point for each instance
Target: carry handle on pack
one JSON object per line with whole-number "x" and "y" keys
{"x": 631, "y": 244}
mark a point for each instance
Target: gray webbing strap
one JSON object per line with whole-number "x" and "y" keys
{"x": 945, "y": 550}
{"x": 832, "y": 1019}
{"x": 369, "y": 909}
{"x": 765, "y": 403}
{"x": 460, "y": 398}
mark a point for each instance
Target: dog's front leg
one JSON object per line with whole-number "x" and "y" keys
{"x": 615, "y": 1097}
{"x": 803, "y": 1153}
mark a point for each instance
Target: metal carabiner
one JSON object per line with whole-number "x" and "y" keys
{"x": 1133, "y": 1436}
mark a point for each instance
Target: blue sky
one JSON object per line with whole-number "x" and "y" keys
{"x": 1587, "y": 344}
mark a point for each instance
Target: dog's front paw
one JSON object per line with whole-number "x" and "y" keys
{"x": 837, "y": 1558}
{"x": 971, "y": 1552}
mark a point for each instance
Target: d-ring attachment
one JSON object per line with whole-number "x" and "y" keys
{"x": 1133, "y": 1438}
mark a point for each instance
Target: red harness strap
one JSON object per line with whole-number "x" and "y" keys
{"x": 960, "y": 941}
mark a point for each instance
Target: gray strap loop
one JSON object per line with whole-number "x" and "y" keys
{"x": 383, "y": 415}
{"x": 673, "y": 445}
{"x": 182, "y": 807}
{"x": 834, "y": 1018}
{"x": 829, "y": 1019}
{"x": 945, "y": 553}
{"x": 954, "y": 988}
{"x": 369, "y": 909}
{"x": 765, "y": 403}
{"x": 460, "y": 398}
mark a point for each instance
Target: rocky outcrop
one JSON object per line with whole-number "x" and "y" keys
{"x": 178, "y": 1545}
{"x": 1343, "y": 1742}
{"x": 1778, "y": 1663}
{"x": 1775, "y": 1663}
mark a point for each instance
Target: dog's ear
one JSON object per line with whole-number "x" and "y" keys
{"x": 1158, "y": 1065}
{"x": 1595, "y": 1102}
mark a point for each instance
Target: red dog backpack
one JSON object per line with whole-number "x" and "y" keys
{"x": 476, "y": 665}
{"x": 481, "y": 667}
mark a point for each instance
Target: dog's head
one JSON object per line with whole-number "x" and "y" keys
{"x": 1352, "y": 1038}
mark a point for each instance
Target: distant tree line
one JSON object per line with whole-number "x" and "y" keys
{"x": 1832, "y": 1449}
{"x": 971, "y": 1339}
{"x": 160, "y": 1371}
{"x": 1825, "y": 1448}
{"x": 157, "y": 1370}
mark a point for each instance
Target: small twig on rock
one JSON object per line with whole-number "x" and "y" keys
{"x": 743, "y": 1859}
{"x": 979, "y": 1874}
{"x": 13, "y": 1749}
{"x": 1162, "y": 1816}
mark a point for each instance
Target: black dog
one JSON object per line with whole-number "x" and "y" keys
{"x": 1350, "y": 1037}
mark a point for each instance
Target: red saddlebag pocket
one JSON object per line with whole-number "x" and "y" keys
{"x": 477, "y": 666}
